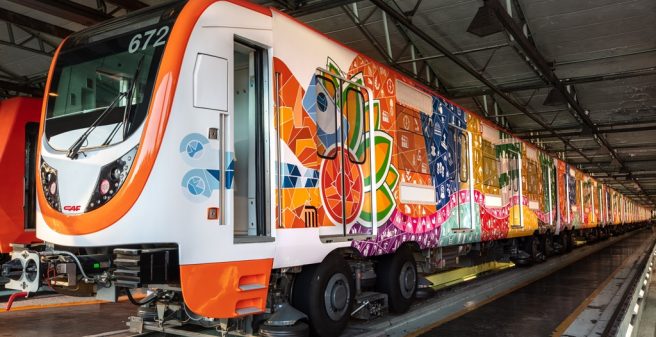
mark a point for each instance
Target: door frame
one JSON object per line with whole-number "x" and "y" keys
{"x": 520, "y": 194}
{"x": 329, "y": 238}
{"x": 470, "y": 177}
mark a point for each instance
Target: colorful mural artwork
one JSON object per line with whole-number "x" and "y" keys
{"x": 325, "y": 138}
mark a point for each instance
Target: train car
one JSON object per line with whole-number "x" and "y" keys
{"x": 198, "y": 151}
{"x": 19, "y": 126}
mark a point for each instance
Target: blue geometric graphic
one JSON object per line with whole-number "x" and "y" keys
{"x": 196, "y": 185}
{"x": 293, "y": 178}
{"x": 323, "y": 110}
{"x": 194, "y": 148}
{"x": 200, "y": 182}
{"x": 203, "y": 178}
{"x": 193, "y": 145}
{"x": 322, "y": 101}
{"x": 442, "y": 151}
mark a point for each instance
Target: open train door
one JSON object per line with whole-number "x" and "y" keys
{"x": 515, "y": 185}
{"x": 344, "y": 132}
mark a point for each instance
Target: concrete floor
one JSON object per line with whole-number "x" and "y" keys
{"x": 66, "y": 321}
{"x": 538, "y": 309}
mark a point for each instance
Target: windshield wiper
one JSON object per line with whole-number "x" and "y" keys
{"x": 128, "y": 106}
{"x": 74, "y": 150}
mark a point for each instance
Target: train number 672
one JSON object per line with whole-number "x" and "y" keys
{"x": 136, "y": 41}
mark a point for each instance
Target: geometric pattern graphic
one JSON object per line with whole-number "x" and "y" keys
{"x": 293, "y": 177}
{"x": 411, "y": 147}
{"x": 199, "y": 182}
{"x": 341, "y": 204}
{"x": 443, "y": 152}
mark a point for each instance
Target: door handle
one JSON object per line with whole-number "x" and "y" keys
{"x": 222, "y": 167}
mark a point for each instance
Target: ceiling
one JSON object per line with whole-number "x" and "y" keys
{"x": 595, "y": 59}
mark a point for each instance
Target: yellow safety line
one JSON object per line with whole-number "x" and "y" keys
{"x": 491, "y": 299}
{"x": 560, "y": 329}
{"x": 459, "y": 275}
{"x": 52, "y": 305}
{"x": 65, "y": 304}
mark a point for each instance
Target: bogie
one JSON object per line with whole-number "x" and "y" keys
{"x": 325, "y": 292}
{"x": 397, "y": 277}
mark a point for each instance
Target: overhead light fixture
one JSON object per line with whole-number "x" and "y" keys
{"x": 485, "y": 22}
{"x": 554, "y": 98}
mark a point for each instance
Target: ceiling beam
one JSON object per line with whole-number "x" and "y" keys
{"x": 607, "y": 163}
{"x": 546, "y": 69}
{"x": 520, "y": 133}
{"x": 21, "y": 88}
{"x": 532, "y": 85}
{"x": 34, "y": 24}
{"x": 360, "y": 24}
{"x": 625, "y": 147}
{"x": 128, "y": 5}
{"x": 68, "y": 10}
{"x": 22, "y": 45}
{"x": 403, "y": 20}
{"x": 299, "y": 8}
{"x": 583, "y": 133}
{"x": 385, "y": 7}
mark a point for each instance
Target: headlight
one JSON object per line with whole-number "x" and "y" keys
{"x": 50, "y": 185}
{"x": 111, "y": 178}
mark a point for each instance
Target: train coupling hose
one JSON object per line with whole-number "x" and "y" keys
{"x": 12, "y": 268}
{"x": 13, "y": 297}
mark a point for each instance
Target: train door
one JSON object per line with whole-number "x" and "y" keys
{"x": 344, "y": 132}
{"x": 515, "y": 183}
{"x": 551, "y": 201}
{"x": 596, "y": 205}
{"x": 602, "y": 205}
{"x": 249, "y": 163}
{"x": 462, "y": 175}
{"x": 29, "y": 199}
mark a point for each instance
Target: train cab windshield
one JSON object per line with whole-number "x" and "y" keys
{"x": 103, "y": 80}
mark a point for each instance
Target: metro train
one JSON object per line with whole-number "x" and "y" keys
{"x": 258, "y": 176}
{"x": 19, "y": 128}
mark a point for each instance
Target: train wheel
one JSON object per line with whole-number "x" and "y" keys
{"x": 547, "y": 245}
{"x": 397, "y": 277}
{"x": 325, "y": 293}
{"x": 299, "y": 329}
{"x": 565, "y": 242}
{"x": 532, "y": 246}
{"x": 570, "y": 241}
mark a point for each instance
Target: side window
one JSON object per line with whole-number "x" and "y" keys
{"x": 514, "y": 171}
{"x": 532, "y": 177}
{"x": 354, "y": 112}
{"x": 326, "y": 114}
{"x": 490, "y": 166}
{"x": 464, "y": 156}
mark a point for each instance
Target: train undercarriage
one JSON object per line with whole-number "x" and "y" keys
{"x": 320, "y": 298}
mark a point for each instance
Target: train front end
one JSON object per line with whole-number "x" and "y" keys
{"x": 108, "y": 96}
